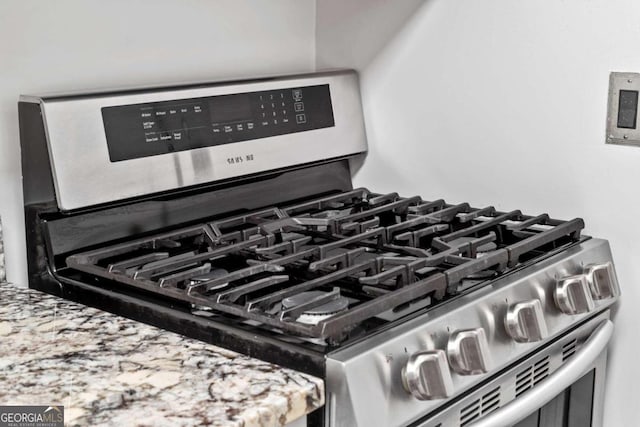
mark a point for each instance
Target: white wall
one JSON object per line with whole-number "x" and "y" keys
{"x": 504, "y": 102}
{"x": 350, "y": 33}
{"x": 65, "y": 45}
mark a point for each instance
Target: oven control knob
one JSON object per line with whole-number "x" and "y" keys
{"x": 525, "y": 322}
{"x": 572, "y": 295}
{"x": 426, "y": 375}
{"x": 602, "y": 280}
{"x": 468, "y": 352}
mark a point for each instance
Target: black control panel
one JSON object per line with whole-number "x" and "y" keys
{"x": 143, "y": 130}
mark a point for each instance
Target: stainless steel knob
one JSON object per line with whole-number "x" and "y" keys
{"x": 468, "y": 352}
{"x": 602, "y": 280}
{"x": 426, "y": 375}
{"x": 525, "y": 322}
{"x": 572, "y": 295}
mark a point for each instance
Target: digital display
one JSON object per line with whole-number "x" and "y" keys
{"x": 150, "y": 129}
{"x": 230, "y": 108}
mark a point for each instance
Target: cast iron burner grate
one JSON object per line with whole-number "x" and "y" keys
{"x": 376, "y": 254}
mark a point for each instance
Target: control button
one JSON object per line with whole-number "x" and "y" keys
{"x": 298, "y": 106}
{"x": 297, "y": 94}
{"x": 165, "y": 137}
{"x": 152, "y": 138}
{"x": 249, "y": 125}
{"x": 525, "y": 322}
{"x": 161, "y": 113}
{"x": 602, "y": 280}
{"x": 572, "y": 295}
{"x": 177, "y": 136}
{"x": 468, "y": 352}
{"x": 216, "y": 130}
{"x": 426, "y": 375}
{"x": 146, "y": 114}
{"x": 301, "y": 118}
{"x": 275, "y": 121}
{"x": 240, "y": 126}
{"x": 228, "y": 129}
{"x": 285, "y": 120}
{"x": 265, "y": 123}
{"x": 149, "y": 124}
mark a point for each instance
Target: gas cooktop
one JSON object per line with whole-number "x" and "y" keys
{"x": 331, "y": 265}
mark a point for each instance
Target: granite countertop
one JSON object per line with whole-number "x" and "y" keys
{"x": 108, "y": 370}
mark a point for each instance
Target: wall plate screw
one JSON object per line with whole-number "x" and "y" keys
{"x": 629, "y": 81}
{"x": 625, "y": 136}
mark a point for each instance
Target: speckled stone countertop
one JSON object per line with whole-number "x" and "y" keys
{"x": 108, "y": 370}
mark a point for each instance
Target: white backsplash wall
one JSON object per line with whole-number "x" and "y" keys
{"x": 68, "y": 45}
{"x": 504, "y": 102}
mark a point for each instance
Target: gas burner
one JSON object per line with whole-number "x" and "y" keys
{"x": 315, "y": 314}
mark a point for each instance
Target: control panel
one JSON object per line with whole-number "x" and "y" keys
{"x": 124, "y": 144}
{"x": 142, "y": 130}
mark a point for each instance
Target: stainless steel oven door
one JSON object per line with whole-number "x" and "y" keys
{"x": 559, "y": 385}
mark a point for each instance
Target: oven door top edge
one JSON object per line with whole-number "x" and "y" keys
{"x": 114, "y": 146}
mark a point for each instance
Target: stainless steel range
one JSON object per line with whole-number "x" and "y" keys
{"x": 226, "y": 212}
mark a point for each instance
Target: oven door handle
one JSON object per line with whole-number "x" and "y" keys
{"x": 548, "y": 389}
